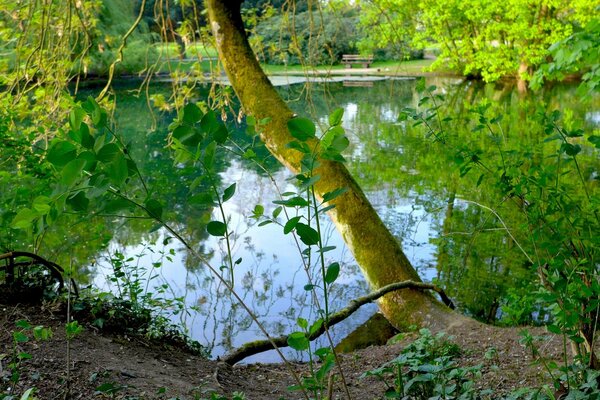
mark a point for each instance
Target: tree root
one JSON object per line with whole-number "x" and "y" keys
{"x": 55, "y": 270}
{"x": 258, "y": 346}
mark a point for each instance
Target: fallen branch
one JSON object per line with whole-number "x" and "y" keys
{"x": 259, "y": 346}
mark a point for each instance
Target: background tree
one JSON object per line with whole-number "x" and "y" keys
{"x": 486, "y": 40}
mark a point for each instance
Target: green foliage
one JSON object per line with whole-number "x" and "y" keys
{"x": 577, "y": 53}
{"x": 500, "y": 38}
{"x": 309, "y": 37}
{"x": 578, "y": 380}
{"x": 426, "y": 369}
{"x": 557, "y": 197}
{"x": 22, "y": 335}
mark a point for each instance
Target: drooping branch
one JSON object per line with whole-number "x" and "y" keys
{"x": 252, "y": 348}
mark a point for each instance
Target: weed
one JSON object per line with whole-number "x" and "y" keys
{"x": 425, "y": 369}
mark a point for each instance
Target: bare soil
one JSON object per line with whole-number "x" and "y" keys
{"x": 129, "y": 367}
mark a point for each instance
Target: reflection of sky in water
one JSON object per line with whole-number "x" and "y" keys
{"x": 270, "y": 278}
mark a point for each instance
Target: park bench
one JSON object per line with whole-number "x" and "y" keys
{"x": 349, "y": 59}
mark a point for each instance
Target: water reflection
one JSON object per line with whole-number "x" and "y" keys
{"x": 410, "y": 180}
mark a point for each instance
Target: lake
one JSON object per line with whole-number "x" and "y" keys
{"x": 411, "y": 181}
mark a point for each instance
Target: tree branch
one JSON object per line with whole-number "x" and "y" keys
{"x": 55, "y": 269}
{"x": 259, "y": 346}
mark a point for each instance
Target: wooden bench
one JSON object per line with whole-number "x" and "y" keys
{"x": 349, "y": 59}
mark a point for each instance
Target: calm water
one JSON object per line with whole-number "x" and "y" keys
{"x": 409, "y": 179}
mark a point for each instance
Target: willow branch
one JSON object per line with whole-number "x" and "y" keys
{"x": 111, "y": 70}
{"x": 259, "y": 346}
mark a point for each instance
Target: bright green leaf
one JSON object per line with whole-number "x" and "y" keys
{"x": 298, "y": 341}
{"x": 335, "y": 118}
{"x": 301, "y": 128}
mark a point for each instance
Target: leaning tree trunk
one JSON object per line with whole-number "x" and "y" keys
{"x": 377, "y": 251}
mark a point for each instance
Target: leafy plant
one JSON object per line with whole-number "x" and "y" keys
{"x": 557, "y": 198}
{"x": 425, "y": 369}
{"x": 24, "y": 333}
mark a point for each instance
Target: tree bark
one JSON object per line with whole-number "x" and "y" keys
{"x": 376, "y": 250}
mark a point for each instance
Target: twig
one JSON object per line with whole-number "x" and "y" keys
{"x": 259, "y": 346}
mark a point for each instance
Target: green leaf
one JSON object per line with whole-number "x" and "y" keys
{"x": 187, "y": 135}
{"x": 20, "y": 337}
{"x": 326, "y": 249}
{"x": 209, "y": 122}
{"x": 209, "y": 155}
{"x": 307, "y": 183}
{"x": 554, "y": 329}
{"x": 216, "y": 228}
{"x": 154, "y": 208}
{"x": 290, "y": 225}
{"x": 340, "y": 143}
{"x": 277, "y": 211}
{"x": 309, "y": 287}
{"x": 330, "y": 135}
{"x": 295, "y": 201}
{"x": 229, "y": 192}
{"x": 571, "y": 149}
{"x": 191, "y": 114}
{"x": 73, "y": 329}
{"x": 182, "y": 132}
{"x": 41, "y": 204}
{"x": 90, "y": 105}
{"x": 79, "y": 202}
{"x": 28, "y": 394}
{"x": 302, "y": 323}
{"x": 61, "y": 152}
{"x": 90, "y": 160}
{"x": 298, "y": 341}
{"x": 23, "y": 324}
{"x": 595, "y": 140}
{"x": 108, "y": 152}
{"x": 315, "y": 326}
{"x": 258, "y": 211}
{"x": 333, "y": 194}
{"x": 76, "y": 117}
{"x": 117, "y": 205}
{"x": 24, "y": 219}
{"x": 333, "y": 271}
{"x": 221, "y": 134}
{"x": 118, "y": 171}
{"x": 308, "y": 235}
{"x": 86, "y": 139}
{"x": 72, "y": 172}
{"x": 301, "y": 128}
{"x": 335, "y": 118}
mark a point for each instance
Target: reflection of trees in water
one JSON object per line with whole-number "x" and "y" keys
{"x": 396, "y": 164}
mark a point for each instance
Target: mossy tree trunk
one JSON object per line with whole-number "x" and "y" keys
{"x": 376, "y": 250}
